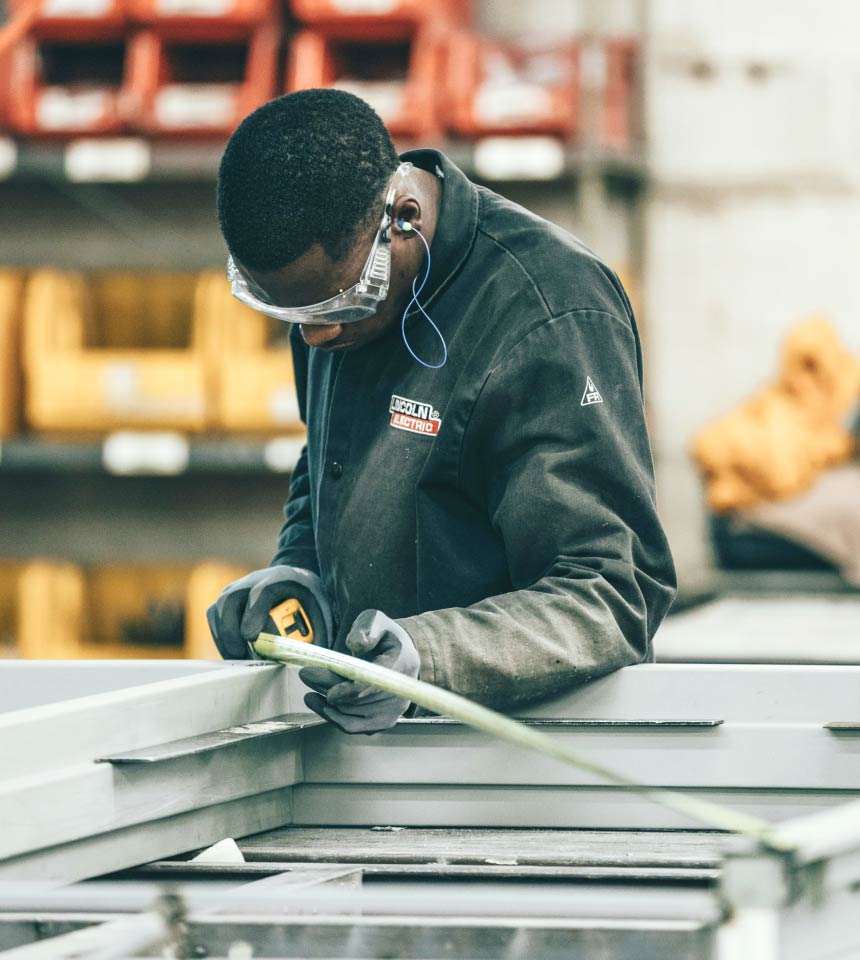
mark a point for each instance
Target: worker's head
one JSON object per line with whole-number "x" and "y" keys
{"x": 310, "y": 192}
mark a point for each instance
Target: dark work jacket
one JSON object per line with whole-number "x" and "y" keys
{"x": 503, "y": 508}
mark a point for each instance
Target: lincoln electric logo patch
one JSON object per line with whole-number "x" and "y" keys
{"x": 414, "y": 416}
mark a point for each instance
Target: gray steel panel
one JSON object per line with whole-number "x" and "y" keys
{"x": 91, "y": 799}
{"x": 482, "y": 846}
{"x": 47, "y": 738}
{"x": 33, "y": 683}
{"x": 772, "y": 693}
{"x": 733, "y": 755}
{"x": 107, "y": 852}
{"x": 184, "y": 871}
{"x": 557, "y": 902}
{"x": 569, "y": 723}
{"x": 773, "y": 738}
{"x": 580, "y": 808}
{"x": 789, "y": 628}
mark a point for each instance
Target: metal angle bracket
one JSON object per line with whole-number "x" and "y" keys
{"x": 573, "y": 723}
{"x": 206, "y": 742}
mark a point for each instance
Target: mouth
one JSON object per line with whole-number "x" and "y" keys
{"x": 343, "y": 343}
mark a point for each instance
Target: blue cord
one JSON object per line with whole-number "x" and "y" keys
{"x": 415, "y": 294}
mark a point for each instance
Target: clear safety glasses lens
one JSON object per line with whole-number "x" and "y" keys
{"x": 357, "y": 303}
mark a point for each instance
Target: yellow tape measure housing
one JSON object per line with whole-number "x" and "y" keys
{"x": 292, "y": 622}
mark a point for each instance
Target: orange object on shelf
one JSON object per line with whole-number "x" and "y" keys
{"x": 115, "y": 352}
{"x": 775, "y": 444}
{"x": 254, "y": 388}
{"x": 500, "y": 87}
{"x": 73, "y": 20}
{"x": 11, "y": 295}
{"x": 400, "y": 79}
{"x": 199, "y": 20}
{"x": 67, "y": 612}
{"x": 181, "y": 88}
{"x": 377, "y": 19}
{"x": 66, "y": 89}
{"x": 620, "y": 128}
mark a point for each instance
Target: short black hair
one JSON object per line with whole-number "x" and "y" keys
{"x": 306, "y": 168}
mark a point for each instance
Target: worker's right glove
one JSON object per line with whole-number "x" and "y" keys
{"x": 241, "y": 613}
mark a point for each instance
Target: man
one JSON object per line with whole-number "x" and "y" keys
{"x": 475, "y": 503}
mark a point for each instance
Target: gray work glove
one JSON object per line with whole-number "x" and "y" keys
{"x": 241, "y": 613}
{"x": 357, "y": 707}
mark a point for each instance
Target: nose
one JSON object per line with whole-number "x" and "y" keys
{"x": 317, "y": 336}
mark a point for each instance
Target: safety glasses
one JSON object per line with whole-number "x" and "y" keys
{"x": 358, "y": 302}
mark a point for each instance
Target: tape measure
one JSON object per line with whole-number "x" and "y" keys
{"x": 291, "y": 621}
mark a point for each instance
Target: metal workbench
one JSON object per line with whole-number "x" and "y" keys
{"x": 430, "y": 840}
{"x": 754, "y": 626}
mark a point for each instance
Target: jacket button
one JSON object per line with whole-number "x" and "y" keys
{"x": 335, "y": 470}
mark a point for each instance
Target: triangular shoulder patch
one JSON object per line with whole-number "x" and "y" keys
{"x": 591, "y": 394}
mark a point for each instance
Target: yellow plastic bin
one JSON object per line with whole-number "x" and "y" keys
{"x": 116, "y": 351}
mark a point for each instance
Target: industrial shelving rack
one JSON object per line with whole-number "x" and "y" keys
{"x": 133, "y": 204}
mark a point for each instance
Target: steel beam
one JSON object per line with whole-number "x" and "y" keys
{"x": 103, "y": 853}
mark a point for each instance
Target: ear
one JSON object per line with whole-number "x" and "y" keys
{"x": 406, "y": 211}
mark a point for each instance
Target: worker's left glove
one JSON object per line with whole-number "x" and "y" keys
{"x": 357, "y": 707}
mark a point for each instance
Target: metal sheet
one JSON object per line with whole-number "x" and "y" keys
{"x": 183, "y": 871}
{"x": 409, "y": 900}
{"x": 107, "y": 852}
{"x": 570, "y": 724}
{"x": 735, "y": 755}
{"x": 27, "y": 683}
{"x": 788, "y": 628}
{"x": 208, "y": 742}
{"x": 771, "y": 756}
{"x": 96, "y": 798}
{"x": 754, "y": 693}
{"x": 459, "y": 846}
{"x": 559, "y": 807}
{"x": 79, "y": 730}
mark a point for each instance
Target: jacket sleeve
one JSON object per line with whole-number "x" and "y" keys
{"x": 296, "y": 541}
{"x": 557, "y": 450}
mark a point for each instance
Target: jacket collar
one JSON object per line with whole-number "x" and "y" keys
{"x": 458, "y": 218}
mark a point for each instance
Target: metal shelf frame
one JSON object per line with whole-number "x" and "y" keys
{"x": 137, "y": 159}
{"x": 205, "y": 455}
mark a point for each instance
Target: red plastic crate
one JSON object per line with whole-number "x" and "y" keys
{"x": 498, "y": 87}
{"x": 66, "y": 89}
{"x": 400, "y": 79}
{"x": 200, "y": 20}
{"x": 620, "y": 127}
{"x": 4, "y": 87}
{"x": 379, "y": 19}
{"x": 178, "y": 88}
{"x": 74, "y": 20}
